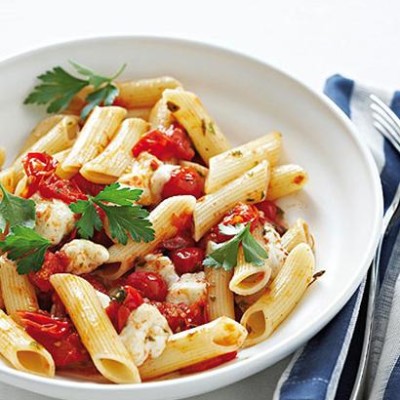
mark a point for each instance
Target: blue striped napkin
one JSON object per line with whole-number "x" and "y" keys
{"x": 326, "y": 367}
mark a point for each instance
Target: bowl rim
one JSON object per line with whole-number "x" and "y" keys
{"x": 304, "y": 334}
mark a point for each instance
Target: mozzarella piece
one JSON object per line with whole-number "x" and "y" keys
{"x": 139, "y": 176}
{"x": 145, "y": 334}
{"x": 104, "y": 299}
{"x": 189, "y": 289}
{"x": 54, "y": 220}
{"x": 161, "y": 265}
{"x": 160, "y": 177}
{"x": 84, "y": 256}
{"x": 276, "y": 253}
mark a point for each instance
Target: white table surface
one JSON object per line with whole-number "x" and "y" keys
{"x": 310, "y": 39}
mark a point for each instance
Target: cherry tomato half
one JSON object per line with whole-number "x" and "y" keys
{"x": 149, "y": 284}
{"x": 188, "y": 259}
{"x": 184, "y": 180}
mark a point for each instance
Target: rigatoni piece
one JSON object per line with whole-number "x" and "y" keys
{"x": 144, "y": 92}
{"x": 218, "y": 337}
{"x": 248, "y": 278}
{"x": 95, "y": 329}
{"x": 206, "y": 136}
{"x": 7, "y": 179}
{"x": 200, "y": 169}
{"x": 2, "y": 156}
{"x": 18, "y": 292}
{"x": 109, "y": 165}
{"x": 24, "y": 353}
{"x": 2, "y": 306}
{"x": 142, "y": 113}
{"x": 96, "y": 134}
{"x": 60, "y": 137}
{"x": 165, "y": 218}
{"x": 251, "y": 187}
{"x": 286, "y": 179}
{"x": 219, "y": 298}
{"x": 41, "y": 129}
{"x": 230, "y": 164}
{"x": 160, "y": 116}
{"x": 285, "y": 291}
{"x": 298, "y": 233}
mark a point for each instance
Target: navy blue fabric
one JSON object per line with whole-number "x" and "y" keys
{"x": 392, "y": 391}
{"x": 311, "y": 373}
{"x": 339, "y": 89}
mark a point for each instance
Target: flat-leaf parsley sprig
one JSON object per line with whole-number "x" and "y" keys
{"x": 225, "y": 255}
{"x": 58, "y": 87}
{"x": 26, "y": 247}
{"x": 124, "y": 216}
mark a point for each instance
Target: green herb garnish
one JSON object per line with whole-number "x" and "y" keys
{"x": 225, "y": 255}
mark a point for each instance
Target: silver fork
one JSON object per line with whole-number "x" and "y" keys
{"x": 388, "y": 124}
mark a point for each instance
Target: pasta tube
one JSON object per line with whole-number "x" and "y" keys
{"x": 105, "y": 347}
{"x": 18, "y": 292}
{"x": 286, "y": 179}
{"x": 248, "y": 188}
{"x": 41, "y": 129}
{"x": 296, "y": 234}
{"x": 164, "y": 219}
{"x": 204, "y": 132}
{"x": 230, "y": 164}
{"x": 97, "y": 132}
{"x": 108, "y": 166}
{"x": 59, "y": 138}
{"x": 142, "y": 113}
{"x": 218, "y": 337}
{"x": 7, "y": 179}
{"x": 2, "y": 156}
{"x": 160, "y": 116}
{"x": 285, "y": 291}
{"x": 24, "y": 353}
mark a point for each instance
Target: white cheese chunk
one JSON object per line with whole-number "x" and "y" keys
{"x": 145, "y": 334}
{"x": 189, "y": 289}
{"x": 160, "y": 177}
{"x": 161, "y": 265}
{"x": 276, "y": 253}
{"x": 54, "y": 220}
{"x": 84, "y": 256}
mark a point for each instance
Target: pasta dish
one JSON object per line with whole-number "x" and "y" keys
{"x": 135, "y": 241}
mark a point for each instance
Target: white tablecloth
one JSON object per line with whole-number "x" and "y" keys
{"x": 310, "y": 39}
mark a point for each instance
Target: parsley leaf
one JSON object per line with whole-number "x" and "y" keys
{"x": 58, "y": 87}
{"x": 124, "y": 217}
{"x": 225, "y": 255}
{"x": 26, "y": 247}
{"x": 15, "y": 210}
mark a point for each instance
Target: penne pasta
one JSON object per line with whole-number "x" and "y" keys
{"x": 144, "y": 92}
{"x": 163, "y": 218}
{"x": 142, "y": 113}
{"x": 41, "y": 129}
{"x": 296, "y": 234}
{"x": 7, "y": 179}
{"x": 24, "y": 353}
{"x": 221, "y": 336}
{"x": 59, "y": 138}
{"x": 273, "y": 307}
{"x": 97, "y": 333}
{"x": 160, "y": 116}
{"x": 2, "y": 306}
{"x": 230, "y": 164}
{"x": 201, "y": 170}
{"x": 2, "y": 157}
{"x": 286, "y": 179}
{"x": 109, "y": 165}
{"x": 251, "y": 187}
{"x": 206, "y": 136}
{"x": 18, "y": 293}
{"x": 96, "y": 134}
{"x": 248, "y": 278}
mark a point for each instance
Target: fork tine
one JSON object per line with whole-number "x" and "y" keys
{"x": 382, "y": 113}
{"x": 383, "y": 130}
{"x": 379, "y": 105}
{"x": 390, "y": 131}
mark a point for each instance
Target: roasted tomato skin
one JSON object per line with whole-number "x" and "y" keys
{"x": 57, "y": 335}
{"x": 166, "y": 144}
{"x": 188, "y": 259}
{"x": 184, "y": 181}
{"x": 124, "y": 300}
{"x": 149, "y": 284}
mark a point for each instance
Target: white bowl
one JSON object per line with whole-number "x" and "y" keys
{"x": 342, "y": 201}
